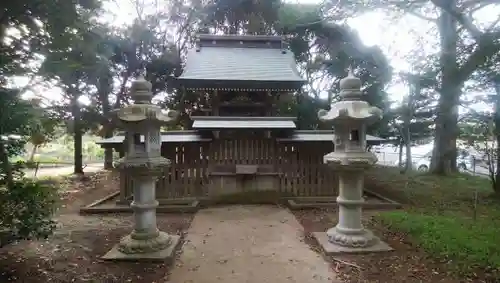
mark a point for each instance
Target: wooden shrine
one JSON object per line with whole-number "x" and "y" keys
{"x": 241, "y": 144}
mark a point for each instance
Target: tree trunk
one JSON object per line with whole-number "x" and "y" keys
{"x": 496, "y": 179}
{"x": 77, "y": 134}
{"x": 408, "y": 115}
{"x": 103, "y": 90}
{"x": 400, "y": 153}
{"x": 108, "y": 152}
{"x": 108, "y": 155}
{"x": 6, "y": 167}
{"x": 33, "y": 152}
{"x": 409, "y": 161}
{"x": 444, "y": 154}
{"x": 496, "y": 183}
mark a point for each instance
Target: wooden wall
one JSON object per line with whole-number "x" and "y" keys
{"x": 299, "y": 166}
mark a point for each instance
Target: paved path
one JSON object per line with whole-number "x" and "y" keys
{"x": 61, "y": 171}
{"x": 248, "y": 244}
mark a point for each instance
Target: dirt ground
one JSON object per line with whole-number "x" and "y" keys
{"x": 405, "y": 264}
{"x": 73, "y": 253}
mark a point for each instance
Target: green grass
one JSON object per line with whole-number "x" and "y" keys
{"x": 467, "y": 244}
{"x": 439, "y": 216}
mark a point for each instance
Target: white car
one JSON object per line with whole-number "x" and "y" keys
{"x": 423, "y": 163}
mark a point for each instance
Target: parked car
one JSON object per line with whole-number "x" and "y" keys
{"x": 423, "y": 163}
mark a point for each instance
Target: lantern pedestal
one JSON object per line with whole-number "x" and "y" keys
{"x": 349, "y": 235}
{"x": 144, "y": 163}
{"x": 350, "y": 118}
{"x": 145, "y": 242}
{"x": 166, "y": 255}
{"x": 330, "y": 249}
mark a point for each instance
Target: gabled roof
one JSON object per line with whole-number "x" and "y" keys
{"x": 240, "y": 62}
{"x": 218, "y": 122}
{"x": 323, "y": 135}
{"x": 297, "y": 136}
{"x": 171, "y": 136}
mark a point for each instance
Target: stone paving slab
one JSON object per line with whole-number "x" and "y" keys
{"x": 248, "y": 244}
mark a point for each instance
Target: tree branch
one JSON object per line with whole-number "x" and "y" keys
{"x": 409, "y": 7}
{"x": 475, "y": 5}
{"x": 121, "y": 93}
{"x": 465, "y": 21}
{"x": 486, "y": 48}
{"x": 492, "y": 26}
{"x": 422, "y": 17}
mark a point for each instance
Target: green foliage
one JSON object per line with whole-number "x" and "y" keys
{"x": 44, "y": 125}
{"x": 25, "y": 211}
{"x": 336, "y": 48}
{"x": 15, "y": 169}
{"x": 466, "y": 243}
{"x": 293, "y": 16}
{"x": 38, "y": 24}
{"x": 15, "y": 119}
{"x": 16, "y": 114}
{"x": 241, "y": 16}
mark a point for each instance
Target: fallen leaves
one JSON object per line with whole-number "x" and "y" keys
{"x": 405, "y": 264}
{"x": 73, "y": 253}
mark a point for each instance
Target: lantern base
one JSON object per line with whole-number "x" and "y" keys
{"x": 330, "y": 248}
{"x": 166, "y": 255}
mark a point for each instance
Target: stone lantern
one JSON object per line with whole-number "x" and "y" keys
{"x": 144, "y": 163}
{"x": 349, "y": 117}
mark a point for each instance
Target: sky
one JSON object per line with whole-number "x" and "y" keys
{"x": 396, "y": 38}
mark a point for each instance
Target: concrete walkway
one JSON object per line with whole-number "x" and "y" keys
{"x": 248, "y": 244}
{"x": 61, "y": 171}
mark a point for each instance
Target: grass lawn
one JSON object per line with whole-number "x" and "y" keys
{"x": 439, "y": 216}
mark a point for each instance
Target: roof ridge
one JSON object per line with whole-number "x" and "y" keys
{"x": 237, "y": 37}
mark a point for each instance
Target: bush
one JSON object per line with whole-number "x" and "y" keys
{"x": 26, "y": 211}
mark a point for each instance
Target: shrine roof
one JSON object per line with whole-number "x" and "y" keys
{"x": 240, "y": 62}
{"x": 217, "y": 122}
{"x": 171, "y": 136}
{"x": 323, "y": 135}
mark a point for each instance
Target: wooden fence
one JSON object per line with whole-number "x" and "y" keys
{"x": 299, "y": 166}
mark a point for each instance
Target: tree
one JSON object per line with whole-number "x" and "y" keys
{"x": 16, "y": 119}
{"x": 324, "y": 52}
{"x": 142, "y": 48}
{"x": 414, "y": 117}
{"x": 456, "y": 28}
{"x": 26, "y": 26}
{"x": 73, "y": 63}
{"x": 308, "y": 35}
{"x": 482, "y": 128}
{"x": 44, "y": 127}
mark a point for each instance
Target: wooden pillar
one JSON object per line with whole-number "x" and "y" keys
{"x": 124, "y": 189}
{"x": 125, "y": 182}
{"x": 269, "y": 104}
{"x": 215, "y": 108}
{"x": 121, "y": 151}
{"x": 215, "y": 103}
